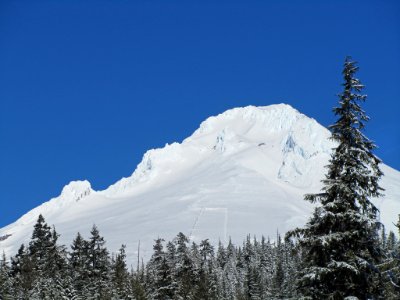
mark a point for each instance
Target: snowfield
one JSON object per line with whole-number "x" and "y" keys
{"x": 242, "y": 172}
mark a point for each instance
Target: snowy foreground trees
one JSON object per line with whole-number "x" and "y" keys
{"x": 176, "y": 270}
{"x": 340, "y": 241}
{"x": 341, "y": 253}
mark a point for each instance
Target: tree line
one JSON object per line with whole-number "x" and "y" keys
{"x": 177, "y": 269}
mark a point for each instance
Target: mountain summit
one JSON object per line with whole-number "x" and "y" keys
{"x": 242, "y": 172}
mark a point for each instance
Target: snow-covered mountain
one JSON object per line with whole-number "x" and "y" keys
{"x": 243, "y": 171}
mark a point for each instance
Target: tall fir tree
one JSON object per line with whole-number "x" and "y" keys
{"x": 206, "y": 287}
{"x": 120, "y": 276}
{"x": 97, "y": 267}
{"x": 279, "y": 274}
{"x": 6, "y": 290}
{"x": 341, "y": 238}
{"x": 159, "y": 274}
{"x": 78, "y": 260}
{"x": 185, "y": 269}
{"x": 391, "y": 266}
{"x": 51, "y": 279}
{"x": 22, "y": 273}
{"x": 396, "y": 269}
{"x": 40, "y": 242}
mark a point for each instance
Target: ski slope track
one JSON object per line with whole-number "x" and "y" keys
{"x": 242, "y": 172}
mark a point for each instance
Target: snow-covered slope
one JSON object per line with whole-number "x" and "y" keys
{"x": 243, "y": 171}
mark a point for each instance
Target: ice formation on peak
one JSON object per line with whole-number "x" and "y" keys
{"x": 230, "y": 132}
{"x": 71, "y": 193}
{"x": 223, "y": 139}
{"x": 76, "y": 190}
{"x": 220, "y": 143}
{"x": 289, "y": 145}
{"x": 274, "y": 117}
{"x": 154, "y": 161}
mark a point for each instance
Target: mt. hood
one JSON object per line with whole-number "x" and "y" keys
{"x": 242, "y": 172}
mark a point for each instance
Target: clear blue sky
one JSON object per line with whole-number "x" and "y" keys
{"x": 86, "y": 87}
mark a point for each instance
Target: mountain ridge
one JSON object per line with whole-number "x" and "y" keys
{"x": 237, "y": 168}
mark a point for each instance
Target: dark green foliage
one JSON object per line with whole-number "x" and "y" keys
{"x": 278, "y": 279}
{"x": 22, "y": 273}
{"x": 395, "y": 271}
{"x": 185, "y": 271}
{"x": 41, "y": 241}
{"x": 159, "y": 274}
{"x": 6, "y": 285}
{"x": 78, "y": 260}
{"x": 120, "y": 275}
{"x": 138, "y": 286}
{"x": 341, "y": 238}
{"x": 97, "y": 267}
{"x": 391, "y": 265}
{"x": 206, "y": 286}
